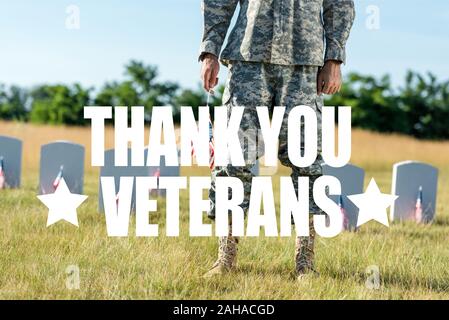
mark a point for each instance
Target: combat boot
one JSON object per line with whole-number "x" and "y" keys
{"x": 227, "y": 255}
{"x": 304, "y": 256}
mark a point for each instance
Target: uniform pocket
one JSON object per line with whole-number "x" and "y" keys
{"x": 313, "y": 5}
{"x": 226, "y": 98}
{"x": 319, "y": 103}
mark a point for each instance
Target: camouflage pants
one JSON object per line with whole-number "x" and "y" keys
{"x": 252, "y": 84}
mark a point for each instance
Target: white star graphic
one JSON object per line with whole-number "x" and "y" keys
{"x": 62, "y": 204}
{"x": 372, "y": 204}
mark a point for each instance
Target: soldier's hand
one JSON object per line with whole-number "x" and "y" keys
{"x": 209, "y": 71}
{"x": 329, "y": 78}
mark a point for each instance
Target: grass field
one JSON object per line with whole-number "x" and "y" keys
{"x": 413, "y": 260}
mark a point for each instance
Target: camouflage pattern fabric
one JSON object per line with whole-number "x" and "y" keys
{"x": 252, "y": 84}
{"x": 227, "y": 255}
{"x": 304, "y": 251}
{"x": 285, "y": 32}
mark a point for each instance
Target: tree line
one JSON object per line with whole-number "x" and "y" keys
{"x": 419, "y": 107}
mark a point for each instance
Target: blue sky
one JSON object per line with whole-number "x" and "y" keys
{"x": 36, "y": 47}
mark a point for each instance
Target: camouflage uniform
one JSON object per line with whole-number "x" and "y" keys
{"x": 286, "y": 32}
{"x": 273, "y": 54}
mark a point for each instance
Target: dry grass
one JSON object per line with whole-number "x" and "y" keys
{"x": 413, "y": 260}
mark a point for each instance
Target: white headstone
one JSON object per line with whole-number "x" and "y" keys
{"x": 61, "y": 159}
{"x": 11, "y": 161}
{"x": 110, "y": 170}
{"x": 415, "y": 184}
{"x": 163, "y": 171}
{"x": 351, "y": 179}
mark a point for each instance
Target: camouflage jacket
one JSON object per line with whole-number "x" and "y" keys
{"x": 286, "y": 32}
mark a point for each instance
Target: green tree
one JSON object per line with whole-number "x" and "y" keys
{"x": 197, "y": 98}
{"x": 117, "y": 94}
{"x": 374, "y": 104}
{"x": 140, "y": 88}
{"x": 13, "y": 103}
{"x": 419, "y": 108}
{"x": 59, "y": 104}
{"x": 426, "y": 104}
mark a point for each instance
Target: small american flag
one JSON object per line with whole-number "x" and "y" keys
{"x": 211, "y": 138}
{"x": 418, "y": 206}
{"x": 193, "y": 149}
{"x": 2, "y": 174}
{"x": 58, "y": 178}
{"x": 116, "y": 198}
{"x": 211, "y": 146}
{"x": 343, "y": 213}
{"x": 156, "y": 174}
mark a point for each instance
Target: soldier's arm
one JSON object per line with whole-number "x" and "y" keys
{"x": 217, "y": 16}
{"x": 338, "y": 17}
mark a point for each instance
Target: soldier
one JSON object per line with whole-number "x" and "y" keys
{"x": 280, "y": 53}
